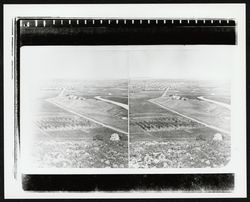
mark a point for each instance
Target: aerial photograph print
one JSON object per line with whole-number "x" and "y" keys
{"x": 118, "y": 107}
{"x": 78, "y": 110}
{"x": 179, "y": 100}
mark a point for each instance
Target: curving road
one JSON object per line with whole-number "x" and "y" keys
{"x": 165, "y": 92}
{"x": 215, "y": 102}
{"x": 112, "y": 102}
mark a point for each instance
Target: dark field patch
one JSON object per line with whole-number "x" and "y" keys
{"x": 137, "y": 106}
{"x": 66, "y": 135}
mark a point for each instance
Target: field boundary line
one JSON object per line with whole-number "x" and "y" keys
{"x": 207, "y": 125}
{"x": 100, "y": 123}
{"x": 149, "y": 117}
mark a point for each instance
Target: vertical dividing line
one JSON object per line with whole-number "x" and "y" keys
{"x": 128, "y": 63}
{"x": 12, "y": 45}
{"x": 128, "y": 124}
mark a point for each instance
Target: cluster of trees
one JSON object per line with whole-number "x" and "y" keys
{"x": 167, "y": 123}
{"x": 57, "y": 123}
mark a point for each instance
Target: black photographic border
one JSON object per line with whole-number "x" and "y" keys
{"x": 43, "y": 31}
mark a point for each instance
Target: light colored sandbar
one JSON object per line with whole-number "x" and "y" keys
{"x": 112, "y": 102}
{"x": 215, "y": 102}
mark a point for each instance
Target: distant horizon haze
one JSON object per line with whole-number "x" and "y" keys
{"x": 102, "y": 63}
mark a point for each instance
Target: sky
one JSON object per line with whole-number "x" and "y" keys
{"x": 122, "y": 62}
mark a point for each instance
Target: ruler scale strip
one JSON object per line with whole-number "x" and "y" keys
{"x": 126, "y": 31}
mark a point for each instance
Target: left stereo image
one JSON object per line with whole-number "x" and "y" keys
{"x": 74, "y": 107}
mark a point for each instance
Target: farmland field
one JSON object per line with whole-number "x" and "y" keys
{"x": 103, "y": 112}
{"x": 171, "y": 126}
{"x": 74, "y": 130}
{"x": 203, "y": 111}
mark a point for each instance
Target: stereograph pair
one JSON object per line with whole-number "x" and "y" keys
{"x": 86, "y": 112}
{"x": 131, "y": 95}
